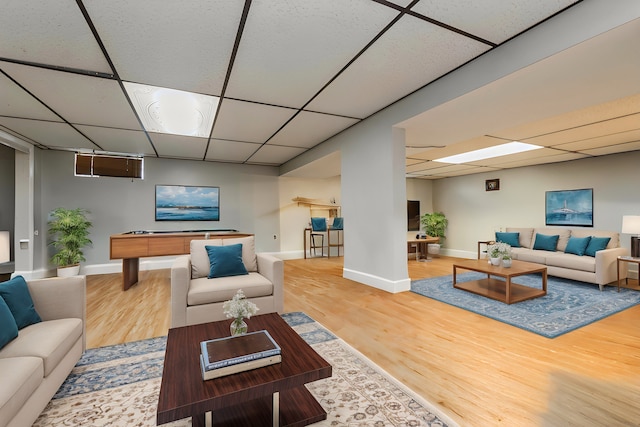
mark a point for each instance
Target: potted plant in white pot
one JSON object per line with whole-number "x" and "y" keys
{"x": 69, "y": 229}
{"x": 434, "y": 225}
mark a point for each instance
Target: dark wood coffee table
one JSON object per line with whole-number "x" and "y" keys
{"x": 501, "y": 290}
{"x": 272, "y": 395}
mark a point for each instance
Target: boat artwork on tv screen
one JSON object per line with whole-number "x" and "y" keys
{"x": 187, "y": 203}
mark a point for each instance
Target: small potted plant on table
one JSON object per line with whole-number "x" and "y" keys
{"x": 69, "y": 229}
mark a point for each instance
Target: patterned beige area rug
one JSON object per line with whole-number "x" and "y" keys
{"x": 119, "y": 386}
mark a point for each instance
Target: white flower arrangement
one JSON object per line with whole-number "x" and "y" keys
{"x": 499, "y": 250}
{"x": 239, "y": 307}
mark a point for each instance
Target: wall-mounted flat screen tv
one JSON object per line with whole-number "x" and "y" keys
{"x": 187, "y": 203}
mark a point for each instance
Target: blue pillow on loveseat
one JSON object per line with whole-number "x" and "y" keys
{"x": 596, "y": 244}
{"x": 512, "y": 239}
{"x": 577, "y": 245}
{"x": 545, "y": 242}
{"x": 15, "y": 293}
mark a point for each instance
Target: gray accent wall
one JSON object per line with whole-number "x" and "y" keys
{"x": 249, "y": 200}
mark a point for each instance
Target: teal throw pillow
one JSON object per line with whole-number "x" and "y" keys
{"x": 577, "y": 245}
{"x": 545, "y": 242}
{"x": 15, "y": 293}
{"x": 225, "y": 261}
{"x": 596, "y": 244}
{"x": 8, "y": 327}
{"x": 512, "y": 239}
{"x": 318, "y": 224}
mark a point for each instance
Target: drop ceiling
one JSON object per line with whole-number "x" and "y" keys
{"x": 290, "y": 75}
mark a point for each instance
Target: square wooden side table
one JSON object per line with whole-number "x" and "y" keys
{"x": 622, "y": 259}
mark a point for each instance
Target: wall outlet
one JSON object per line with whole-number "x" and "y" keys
{"x": 275, "y": 237}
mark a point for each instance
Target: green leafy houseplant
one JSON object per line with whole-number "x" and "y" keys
{"x": 434, "y": 224}
{"x": 69, "y": 229}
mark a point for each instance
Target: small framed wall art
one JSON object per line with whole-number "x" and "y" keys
{"x": 492, "y": 184}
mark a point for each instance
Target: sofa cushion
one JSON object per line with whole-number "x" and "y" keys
{"x": 596, "y": 244}
{"x": 530, "y": 255}
{"x": 512, "y": 239}
{"x": 51, "y": 341}
{"x": 577, "y": 245}
{"x": 205, "y": 291}
{"x": 21, "y": 376}
{"x": 248, "y": 251}
{"x": 8, "y": 327}
{"x": 225, "y": 261}
{"x": 200, "y": 266}
{"x": 545, "y": 242}
{"x": 15, "y": 293}
{"x": 572, "y": 262}
{"x": 525, "y": 238}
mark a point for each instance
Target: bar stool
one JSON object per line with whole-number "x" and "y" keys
{"x": 318, "y": 228}
{"x": 338, "y": 227}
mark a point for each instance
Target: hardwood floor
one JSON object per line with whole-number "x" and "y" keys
{"x": 479, "y": 371}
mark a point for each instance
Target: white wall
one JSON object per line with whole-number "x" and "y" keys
{"x": 294, "y": 218}
{"x": 475, "y": 214}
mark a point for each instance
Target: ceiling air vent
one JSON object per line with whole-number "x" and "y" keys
{"x": 109, "y": 165}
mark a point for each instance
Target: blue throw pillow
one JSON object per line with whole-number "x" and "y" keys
{"x": 512, "y": 239}
{"x": 8, "y": 327}
{"x": 577, "y": 245}
{"x": 225, "y": 261}
{"x": 545, "y": 242}
{"x": 15, "y": 293}
{"x": 596, "y": 244}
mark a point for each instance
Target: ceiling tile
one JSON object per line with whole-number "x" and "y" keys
{"x": 606, "y": 127}
{"x": 49, "y": 32}
{"x": 179, "y": 45}
{"x": 18, "y": 103}
{"x": 274, "y": 155}
{"x": 425, "y": 51}
{"x": 119, "y": 140}
{"x": 77, "y": 98}
{"x": 601, "y": 141}
{"x": 250, "y": 122}
{"x": 291, "y": 48}
{"x": 309, "y": 129}
{"x": 230, "y": 151}
{"x": 492, "y": 20}
{"x": 613, "y": 149}
{"x": 556, "y": 158}
{"x": 50, "y": 134}
{"x": 179, "y": 147}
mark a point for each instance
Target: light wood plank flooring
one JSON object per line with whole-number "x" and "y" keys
{"x": 478, "y": 371}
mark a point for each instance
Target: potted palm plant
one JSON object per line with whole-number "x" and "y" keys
{"x": 434, "y": 225}
{"x": 69, "y": 230}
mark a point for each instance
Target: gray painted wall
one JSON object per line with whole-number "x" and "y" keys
{"x": 248, "y": 200}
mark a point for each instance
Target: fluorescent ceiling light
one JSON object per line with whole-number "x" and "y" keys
{"x": 489, "y": 152}
{"x": 173, "y": 111}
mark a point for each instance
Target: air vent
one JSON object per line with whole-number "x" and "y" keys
{"x": 109, "y": 165}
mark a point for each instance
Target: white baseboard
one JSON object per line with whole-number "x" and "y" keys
{"x": 377, "y": 282}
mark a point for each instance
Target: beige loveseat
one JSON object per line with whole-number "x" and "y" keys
{"x": 36, "y": 363}
{"x": 600, "y": 269}
{"x": 197, "y": 299}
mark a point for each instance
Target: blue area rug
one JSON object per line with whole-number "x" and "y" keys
{"x": 567, "y": 306}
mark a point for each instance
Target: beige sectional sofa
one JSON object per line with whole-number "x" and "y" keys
{"x": 35, "y": 363}
{"x": 600, "y": 269}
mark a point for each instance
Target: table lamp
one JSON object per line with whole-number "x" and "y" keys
{"x": 5, "y": 249}
{"x": 631, "y": 225}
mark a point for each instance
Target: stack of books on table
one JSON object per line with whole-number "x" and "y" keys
{"x": 230, "y": 355}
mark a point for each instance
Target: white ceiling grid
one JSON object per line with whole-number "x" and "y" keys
{"x": 291, "y": 73}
